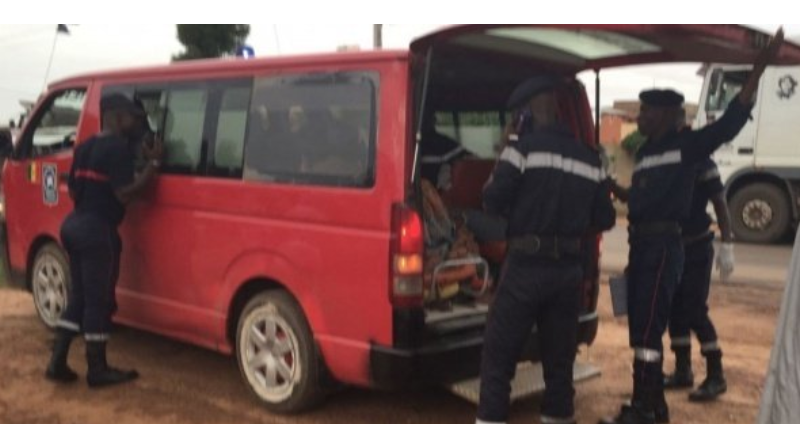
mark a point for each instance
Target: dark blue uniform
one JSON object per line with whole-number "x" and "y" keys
{"x": 552, "y": 189}
{"x": 690, "y": 305}
{"x": 660, "y": 199}
{"x": 100, "y": 166}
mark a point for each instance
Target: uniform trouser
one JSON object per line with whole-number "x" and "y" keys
{"x": 690, "y": 305}
{"x": 532, "y": 291}
{"x": 654, "y": 272}
{"x": 94, "y": 248}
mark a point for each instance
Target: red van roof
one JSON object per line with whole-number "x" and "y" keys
{"x": 222, "y": 66}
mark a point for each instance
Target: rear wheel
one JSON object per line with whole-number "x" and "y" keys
{"x": 277, "y": 355}
{"x": 50, "y": 283}
{"x": 760, "y": 213}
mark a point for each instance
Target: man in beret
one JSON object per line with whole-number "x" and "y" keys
{"x": 101, "y": 182}
{"x": 437, "y": 153}
{"x": 553, "y": 191}
{"x": 658, "y": 201}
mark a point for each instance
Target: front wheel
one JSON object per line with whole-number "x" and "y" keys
{"x": 50, "y": 284}
{"x": 277, "y": 355}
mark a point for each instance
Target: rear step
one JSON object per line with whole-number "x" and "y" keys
{"x": 529, "y": 381}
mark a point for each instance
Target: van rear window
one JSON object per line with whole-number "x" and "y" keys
{"x": 316, "y": 129}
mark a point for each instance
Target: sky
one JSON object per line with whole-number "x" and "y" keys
{"x": 91, "y": 47}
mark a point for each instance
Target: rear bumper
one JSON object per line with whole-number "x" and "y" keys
{"x": 448, "y": 361}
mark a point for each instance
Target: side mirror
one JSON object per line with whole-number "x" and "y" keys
{"x": 6, "y": 144}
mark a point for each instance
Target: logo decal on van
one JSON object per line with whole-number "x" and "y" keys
{"x": 786, "y": 87}
{"x": 50, "y": 184}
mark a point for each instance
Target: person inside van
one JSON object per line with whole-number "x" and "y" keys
{"x": 272, "y": 140}
{"x": 437, "y": 152}
{"x": 335, "y": 148}
{"x": 101, "y": 182}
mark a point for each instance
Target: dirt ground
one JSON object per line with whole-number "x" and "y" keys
{"x": 183, "y": 384}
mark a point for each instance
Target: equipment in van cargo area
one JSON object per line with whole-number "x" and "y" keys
{"x": 453, "y": 265}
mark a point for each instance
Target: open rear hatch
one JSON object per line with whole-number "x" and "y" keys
{"x": 475, "y": 68}
{"x": 575, "y": 48}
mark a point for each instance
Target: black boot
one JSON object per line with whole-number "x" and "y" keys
{"x": 100, "y": 374}
{"x": 640, "y": 411}
{"x": 630, "y": 414}
{"x": 715, "y": 384}
{"x": 660, "y": 406}
{"x": 683, "y": 378}
{"x": 58, "y": 370}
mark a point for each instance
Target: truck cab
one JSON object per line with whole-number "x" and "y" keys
{"x": 761, "y": 166}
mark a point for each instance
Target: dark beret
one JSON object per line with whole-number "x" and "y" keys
{"x": 530, "y": 88}
{"x": 120, "y": 103}
{"x": 662, "y": 98}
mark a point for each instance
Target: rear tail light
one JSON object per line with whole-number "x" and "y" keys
{"x": 406, "y": 290}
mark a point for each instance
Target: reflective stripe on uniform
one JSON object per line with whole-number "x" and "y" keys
{"x": 681, "y": 341}
{"x": 647, "y": 355}
{"x": 709, "y": 347}
{"x": 551, "y": 420}
{"x": 514, "y": 158}
{"x": 91, "y": 175}
{"x": 67, "y": 325}
{"x": 552, "y": 161}
{"x": 96, "y": 337}
{"x": 673, "y": 157}
{"x": 489, "y": 422}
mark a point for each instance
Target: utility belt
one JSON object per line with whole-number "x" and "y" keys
{"x": 651, "y": 229}
{"x": 699, "y": 238}
{"x": 549, "y": 247}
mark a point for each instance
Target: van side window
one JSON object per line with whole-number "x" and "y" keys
{"x": 231, "y": 128}
{"x": 316, "y": 129}
{"x": 183, "y": 130}
{"x": 55, "y": 127}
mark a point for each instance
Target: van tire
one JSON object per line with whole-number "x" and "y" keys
{"x": 277, "y": 355}
{"x": 760, "y": 213}
{"x": 50, "y": 283}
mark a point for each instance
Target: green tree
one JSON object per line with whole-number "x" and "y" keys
{"x": 632, "y": 143}
{"x": 210, "y": 41}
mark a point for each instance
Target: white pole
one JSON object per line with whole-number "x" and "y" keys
{"x": 377, "y": 36}
{"x": 277, "y": 37}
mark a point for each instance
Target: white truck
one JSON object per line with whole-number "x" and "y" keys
{"x": 761, "y": 167}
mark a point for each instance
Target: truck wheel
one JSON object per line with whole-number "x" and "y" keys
{"x": 760, "y": 214}
{"x": 277, "y": 354}
{"x": 50, "y": 284}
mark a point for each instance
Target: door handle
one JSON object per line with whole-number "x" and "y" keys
{"x": 746, "y": 151}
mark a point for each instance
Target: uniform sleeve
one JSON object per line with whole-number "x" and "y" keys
{"x": 77, "y": 158}
{"x": 121, "y": 166}
{"x": 604, "y": 216}
{"x": 71, "y": 179}
{"x": 706, "y": 141}
{"x": 710, "y": 180}
{"x": 502, "y": 188}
